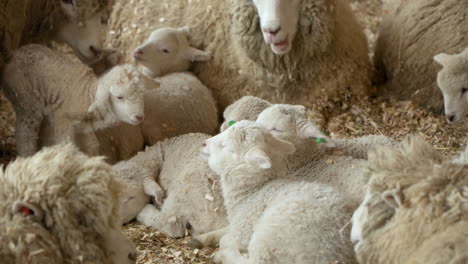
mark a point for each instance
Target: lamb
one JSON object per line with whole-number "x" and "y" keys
{"x": 246, "y": 108}
{"x": 181, "y": 105}
{"x": 295, "y": 52}
{"x": 79, "y": 23}
{"x": 453, "y": 82}
{"x": 52, "y": 107}
{"x": 72, "y": 220}
{"x": 410, "y": 35}
{"x": 416, "y": 207}
{"x": 193, "y": 199}
{"x": 272, "y": 217}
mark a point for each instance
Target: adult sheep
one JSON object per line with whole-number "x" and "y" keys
{"x": 410, "y": 35}
{"x": 60, "y": 206}
{"x": 415, "y": 210}
{"x": 276, "y": 49}
{"x": 78, "y": 23}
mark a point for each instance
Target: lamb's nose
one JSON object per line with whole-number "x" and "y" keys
{"x": 140, "y": 117}
{"x": 272, "y": 30}
{"x": 94, "y": 51}
{"x": 138, "y": 52}
{"x": 203, "y": 144}
{"x": 450, "y": 118}
{"x": 132, "y": 256}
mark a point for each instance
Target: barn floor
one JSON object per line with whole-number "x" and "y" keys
{"x": 346, "y": 116}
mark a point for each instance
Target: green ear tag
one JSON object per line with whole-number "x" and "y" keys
{"x": 320, "y": 140}
{"x": 230, "y": 123}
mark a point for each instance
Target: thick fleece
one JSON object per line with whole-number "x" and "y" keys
{"x": 416, "y": 207}
{"x": 410, "y": 35}
{"x": 329, "y": 51}
{"x": 60, "y": 206}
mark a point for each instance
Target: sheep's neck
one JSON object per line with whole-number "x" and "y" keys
{"x": 242, "y": 182}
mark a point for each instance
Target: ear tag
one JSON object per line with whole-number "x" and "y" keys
{"x": 230, "y": 123}
{"x": 320, "y": 140}
{"x": 25, "y": 211}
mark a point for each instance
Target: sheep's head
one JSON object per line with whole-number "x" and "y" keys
{"x": 244, "y": 143}
{"x": 412, "y": 195}
{"x": 289, "y": 122}
{"x": 453, "y": 82}
{"x": 168, "y": 50}
{"x": 62, "y": 203}
{"x": 246, "y": 108}
{"x": 83, "y": 27}
{"x": 123, "y": 89}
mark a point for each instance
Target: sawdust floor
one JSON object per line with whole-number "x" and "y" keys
{"x": 347, "y": 116}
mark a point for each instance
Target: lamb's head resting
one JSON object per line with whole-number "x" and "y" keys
{"x": 289, "y": 122}
{"x": 168, "y": 50}
{"x": 244, "y": 144}
{"x": 246, "y": 108}
{"x": 121, "y": 91}
{"x": 453, "y": 82}
{"x": 278, "y": 22}
{"x": 83, "y": 27}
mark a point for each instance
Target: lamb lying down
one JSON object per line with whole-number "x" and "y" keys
{"x": 272, "y": 217}
{"x": 194, "y": 198}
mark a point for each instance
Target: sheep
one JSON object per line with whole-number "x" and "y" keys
{"x": 453, "y": 82}
{"x": 167, "y": 50}
{"x": 410, "y": 35}
{"x": 57, "y": 99}
{"x": 181, "y": 105}
{"x": 79, "y": 23}
{"x": 193, "y": 192}
{"x": 61, "y": 206}
{"x": 319, "y": 46}
{"x": 416, "y": 207}
{"x": 272, "y": 217}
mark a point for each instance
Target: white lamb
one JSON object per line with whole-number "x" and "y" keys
{"x": 193, "y": 199}
{"x": 58, "y": 99}
{"x": 181, "y": 105}
{"x": 273, "y": 218}
{"x": 453, "y": 82}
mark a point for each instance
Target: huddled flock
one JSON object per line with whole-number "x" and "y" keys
{"x": 108, "y": 135}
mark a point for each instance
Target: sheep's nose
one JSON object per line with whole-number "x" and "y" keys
{"x": 139, "y": 117}
{"x": 272, "y": 30}
{"x": 94, "y": 51}
{"x": 203, "y": 144}
{"x": 450, "y": 118}
{"x": 132, "y": 256}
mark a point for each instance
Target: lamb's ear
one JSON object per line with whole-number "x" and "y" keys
{"x": 224, "y": 126}
{"x": 193, "y": 54}
{"x": 310, "y": 130}
{"x": 299, "y": 108}
{"x": 393, "y": 198}
{"x": 282, "y": 146}
{"x": 257, "y": 157}
{"x": 186, "y": 31}
{"x": 149, "y": 82}
{"x": 442, "y": 58}
{"x": 28, "y": 209}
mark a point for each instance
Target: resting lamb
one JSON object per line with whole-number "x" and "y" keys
{"x": 272, "y": 217}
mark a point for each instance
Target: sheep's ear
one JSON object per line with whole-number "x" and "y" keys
{"x": 258, "y": 158}
{"x": 392, "y": 198}
{"x": 186, "y": 31}
{"x": 28, "y": 209}
{"x": 282, "y": 146}
{"x": 442, "y": 58}
{"x": 193, "y": 54}
{"x": 310, "y": 130}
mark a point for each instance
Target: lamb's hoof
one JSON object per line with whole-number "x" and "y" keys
{"x": 195, "y": 243}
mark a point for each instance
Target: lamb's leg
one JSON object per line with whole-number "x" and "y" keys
{"x": 210, "y": 239}
{"x": 27, "y": 133}
{"x": 171, "y": 225}
{"x": 153, "y": 189}
{"x": 229, "y": 256}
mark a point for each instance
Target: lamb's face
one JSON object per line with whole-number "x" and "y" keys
{"x": 279, "y": 23}
{"x": 244, "y": 143}
{"x": 288, "y": 122}
{"x": 85, "y": 36}
{"x": 453, "y": 82}
{"x": 168, "y": 50}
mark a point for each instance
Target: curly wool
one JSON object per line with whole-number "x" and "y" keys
{"x": 78, "y": 196}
